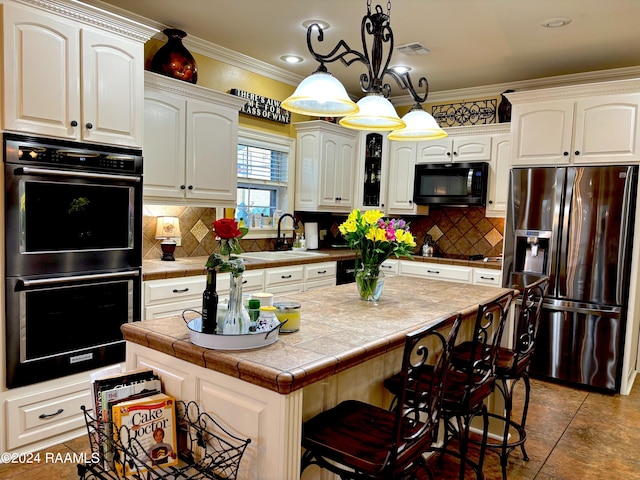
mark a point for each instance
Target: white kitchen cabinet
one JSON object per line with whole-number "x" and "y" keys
{"x": 319, "y": 275}
{"x": 190, "y": 143}
{"x": 593, "y": 123}
{"x": 498, "y": 182}
{"x": 172, "y": 296}
{"x": 39, "y": 416}
{"x": 390, "y": 267}
{"x": 402, "y": 165}
{"x": 487, "y": 276}
{"x": 454, "y": 149}
{"x": 66, "y": 78}
{"x": 283, "y": 280}
{"x": 452, "y": 273}
{"x": 325, "y": 164}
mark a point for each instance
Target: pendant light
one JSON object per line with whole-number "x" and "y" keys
{"x": 420, "y": 125}
{"x": 373, "y": 112}
{"x": 321, "y": 95}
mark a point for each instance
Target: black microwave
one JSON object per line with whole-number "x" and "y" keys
{"x": 451, "y": 184}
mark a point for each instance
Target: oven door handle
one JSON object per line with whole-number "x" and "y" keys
{"x": 22, "y": 284}
{"x": 74, "y": 173}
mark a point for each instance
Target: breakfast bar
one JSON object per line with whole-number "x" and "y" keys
{"x": 345, "y": 348}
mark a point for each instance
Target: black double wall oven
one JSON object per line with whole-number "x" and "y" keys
{"x": 73, "y": 255}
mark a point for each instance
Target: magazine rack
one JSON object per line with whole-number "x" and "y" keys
{"x": 206, "y": 450}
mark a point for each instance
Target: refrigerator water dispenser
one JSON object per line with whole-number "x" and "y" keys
{"x": 532, "y": 252}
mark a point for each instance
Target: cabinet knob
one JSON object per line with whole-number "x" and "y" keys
{"x": 490, "y": 202}
{"x": 182, "y": 187}
{"x": 89, "y": 126}
{"x": 448, "y": 154}
{"x": 74, "y": 123}
{"x": 455, "y": 154}
{"x": 577, "y": 152}
{"x": 566, "y": 154}
{"x": 410, "y": 202}
{"x": 190, "y": 187}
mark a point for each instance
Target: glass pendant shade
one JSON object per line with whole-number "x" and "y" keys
{"x": 320, "y": 95}
{"x": 420, "y": 126}
{"x": 376, "y": 114}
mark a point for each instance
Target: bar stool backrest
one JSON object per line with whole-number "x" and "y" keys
{"x": 419, "y": 402}
{"x": 489, "y": 326}
{"x": 529, "y": 319}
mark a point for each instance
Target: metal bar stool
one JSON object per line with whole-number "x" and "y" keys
{"x": 469, "y": 381}
{"x": 356, "y": 440}
{"x": 512, "y": 366}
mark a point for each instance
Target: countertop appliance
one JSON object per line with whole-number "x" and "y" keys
{"x": 574, "y": 224}
{"x": 451, "y": 184}
{"x": 73, "y": 255}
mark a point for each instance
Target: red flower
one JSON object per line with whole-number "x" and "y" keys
{"x": 227, "y": 228}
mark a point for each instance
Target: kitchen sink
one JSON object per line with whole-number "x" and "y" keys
{"x": 282, "y": 255}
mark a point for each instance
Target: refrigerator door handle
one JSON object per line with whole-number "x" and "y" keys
{"x": 586, "y": 308}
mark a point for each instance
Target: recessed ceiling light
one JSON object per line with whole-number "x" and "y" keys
{"x": 323, "y": 25}
{"x": 556, "y": 22}
{"x": 292, "y": 59}
{"x": 400, "y": 68}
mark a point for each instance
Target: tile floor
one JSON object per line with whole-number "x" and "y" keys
{"x": 572, "y": 435}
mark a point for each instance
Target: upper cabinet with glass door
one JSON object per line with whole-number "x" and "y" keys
{"x": 79, "y": 80}
{"x": 372, "y": 171}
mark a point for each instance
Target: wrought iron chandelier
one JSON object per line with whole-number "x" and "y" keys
{"x": 322, "y": 95}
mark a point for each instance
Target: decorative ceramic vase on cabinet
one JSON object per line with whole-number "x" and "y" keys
{"x": 504, "y": 109}
{"x": 173, "y": 59}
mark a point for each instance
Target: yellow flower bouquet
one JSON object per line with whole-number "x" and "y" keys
{"x": 375, "y": 239}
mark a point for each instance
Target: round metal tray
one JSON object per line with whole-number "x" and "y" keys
{"x": 230, "y": 342}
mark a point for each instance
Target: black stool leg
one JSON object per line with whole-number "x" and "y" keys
{"x": 525, "y": 409}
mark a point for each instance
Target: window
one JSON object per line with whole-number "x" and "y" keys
{"x": 263, "y": 178}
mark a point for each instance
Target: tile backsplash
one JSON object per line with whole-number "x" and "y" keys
{"x": 457, "y": 232}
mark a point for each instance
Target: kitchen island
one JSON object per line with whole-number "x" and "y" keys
{"x": 345, "y": 348}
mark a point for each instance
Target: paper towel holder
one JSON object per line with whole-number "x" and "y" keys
{"x": 311, "y": 234}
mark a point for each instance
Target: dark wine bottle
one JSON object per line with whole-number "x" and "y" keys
{"x": 210, "y": 303}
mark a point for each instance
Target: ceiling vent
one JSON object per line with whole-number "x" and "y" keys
{"x": 413, "y": 49}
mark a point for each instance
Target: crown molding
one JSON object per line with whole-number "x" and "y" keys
{"x": 186, "y": 89}
{"x": 93, "y": 15}
{"x": 533, "y": 84}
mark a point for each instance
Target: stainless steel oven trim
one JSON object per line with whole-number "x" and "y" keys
{"x": 77, "y": 278}
{"x": 55, "y": 282}
{"x": 74, "y": 174}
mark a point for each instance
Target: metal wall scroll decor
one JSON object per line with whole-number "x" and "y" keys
{"x": 480, "y": 112}
{"x": 262, "y": 107}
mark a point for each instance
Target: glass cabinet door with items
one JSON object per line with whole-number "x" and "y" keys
{"x": 372, "y": 172}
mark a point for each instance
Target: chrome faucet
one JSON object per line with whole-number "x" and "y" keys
{"x": 281, "y": 243}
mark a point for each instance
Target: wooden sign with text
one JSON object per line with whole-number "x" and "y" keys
{"x": 262, "y": 107}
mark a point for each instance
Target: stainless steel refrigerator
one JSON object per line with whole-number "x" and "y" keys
{"x": 574, "y": 224}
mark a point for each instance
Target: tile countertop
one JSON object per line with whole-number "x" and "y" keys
{"x": 190, "y": 266}
{"x": 332, "y": 337}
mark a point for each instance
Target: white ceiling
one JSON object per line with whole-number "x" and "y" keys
{"x": 473, "y": 42}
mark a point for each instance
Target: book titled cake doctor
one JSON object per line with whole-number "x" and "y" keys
{"x": 147, "y": 423}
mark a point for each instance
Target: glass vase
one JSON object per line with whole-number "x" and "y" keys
{"x": 370, "y": 281}
{"x": 235, "y": 322}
